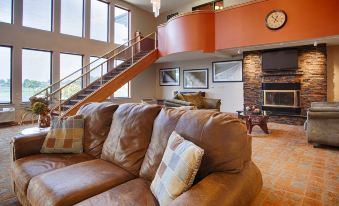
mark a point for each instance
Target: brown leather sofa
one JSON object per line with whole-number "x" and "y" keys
{"x": 123, "y": 147}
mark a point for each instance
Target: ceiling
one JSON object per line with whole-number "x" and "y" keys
{"x": 166, "y": 5}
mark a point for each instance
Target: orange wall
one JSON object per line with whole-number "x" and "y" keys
{"x": 192, "y": 32}
{"x": 244, "y": 26}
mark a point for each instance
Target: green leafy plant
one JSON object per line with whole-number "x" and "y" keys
{"x": 39, "y": 108}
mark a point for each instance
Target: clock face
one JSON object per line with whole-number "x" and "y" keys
{"x": 276, "y": 19}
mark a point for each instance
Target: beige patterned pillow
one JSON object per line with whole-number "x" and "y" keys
{"x": 65, "y": 136}
{"x": 177, "y": 169}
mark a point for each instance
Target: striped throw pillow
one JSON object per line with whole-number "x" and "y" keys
{"x": 65, "y": 136}
{"x": 177, "y": 169}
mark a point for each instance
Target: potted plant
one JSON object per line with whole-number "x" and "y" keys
{"x": 41, "y": 109}
{"x": 252, "y": 110}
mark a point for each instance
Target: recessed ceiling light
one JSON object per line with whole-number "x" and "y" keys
{"x": 315, "y": 43}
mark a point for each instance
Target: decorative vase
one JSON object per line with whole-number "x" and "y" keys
{"x": 44, "y": 120}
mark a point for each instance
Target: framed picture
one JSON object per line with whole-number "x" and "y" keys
{"x": 196, "y": 79}
{"x": 227, "y": 71}
{"x": 170, "y": 77}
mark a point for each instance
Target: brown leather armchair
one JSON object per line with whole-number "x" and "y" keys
{"x": 123, "y": 147}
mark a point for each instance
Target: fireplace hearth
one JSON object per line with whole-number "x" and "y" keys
{"x": 281, "y": 98}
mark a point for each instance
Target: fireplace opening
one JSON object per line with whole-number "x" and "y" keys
{"x": 281, "y": 98}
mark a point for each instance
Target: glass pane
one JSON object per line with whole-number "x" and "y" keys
{"x": 121, "y": 25}
{"x": 71, "y": 17}
{"x": 280, "y": 98}
{"x": 70, "y": 63}
{"x": 6, "y": 11}
{"x": 36, "y": 72}
{"x": 5, "y": 74}
{"x": 96, "y": 73}
{"x": 99, "y": 20}
{"x": 37, "y": 14}
{"x": 123, "y": 92}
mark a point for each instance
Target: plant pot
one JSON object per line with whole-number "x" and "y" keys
{"x": 44, "y": 120}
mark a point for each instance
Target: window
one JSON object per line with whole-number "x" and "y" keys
{"x": 36, "y": 72}
{"x": 72, "y": 17}
{"x": 37, "y": 14}
{"x": 70, "y": 63}
{"x": 99, "y": 20}
{"x": 121, "y": 25}
{"x": 5, "y": 74}
{"x": 123, "y": 92}
{"x": 96, "y": 73}
{"x": 6, "y": 11}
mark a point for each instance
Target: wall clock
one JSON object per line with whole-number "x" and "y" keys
{"x": 276, "y": 19}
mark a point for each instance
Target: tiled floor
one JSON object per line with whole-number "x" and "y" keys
{"x": 294, "y": 172}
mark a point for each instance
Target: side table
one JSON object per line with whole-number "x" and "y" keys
{"x": 260, "y": 120}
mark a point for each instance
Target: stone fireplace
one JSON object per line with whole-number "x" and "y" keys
{"x": 286, "y": 95}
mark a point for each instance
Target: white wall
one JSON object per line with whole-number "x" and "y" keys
{"x": 231, "y": 94}
{"x": 19, "y": 37}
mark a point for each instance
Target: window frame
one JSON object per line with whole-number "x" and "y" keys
{"x": 108, "y": 21}
{"x": 52, "y": 18}
{"x": 129, "y": 22}
{"x": 82, "y": 67}
{"x": 50, "y": 70}
{"x": 83, "y": 21}
{"x": 11, "y": 76}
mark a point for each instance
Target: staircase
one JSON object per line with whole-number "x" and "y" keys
{"x": 134, "y": 57}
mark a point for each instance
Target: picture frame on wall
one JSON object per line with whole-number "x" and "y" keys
{"x": 227, "y": 71}
{"x": 169, "y": 76}
{"x": 196, "y": 79}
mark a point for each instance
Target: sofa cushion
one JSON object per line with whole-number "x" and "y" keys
{"x": 98, "y": 120}
{"x": 135, "y": 192}
{"x": 177, "y": 169}
{"x": 164, "y": 125}
{"x": 24, "y": 169}
{"x": 75, "y": 183}
{"x": 65, "y": 136}
{"x": 130, "y": 135}
{"x": 223, "y": 138}
{"x": 195, "y": 98}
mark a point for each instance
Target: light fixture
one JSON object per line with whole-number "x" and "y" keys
{"x": 239, "y": 52}
{"x": 216, "y": 7}
{"x": 315, "y": 43}
{"x": 156, "y": 7}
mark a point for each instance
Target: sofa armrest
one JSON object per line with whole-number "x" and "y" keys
{"x": 227, "y": 189}
{"x": 177, "y": 102}
{"x": 25, "y": 145}
{"x": 212, "y": 103}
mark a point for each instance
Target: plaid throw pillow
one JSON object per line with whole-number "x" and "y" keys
{"x": 177, "y": 169}
{"x": 65, "y": 136}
